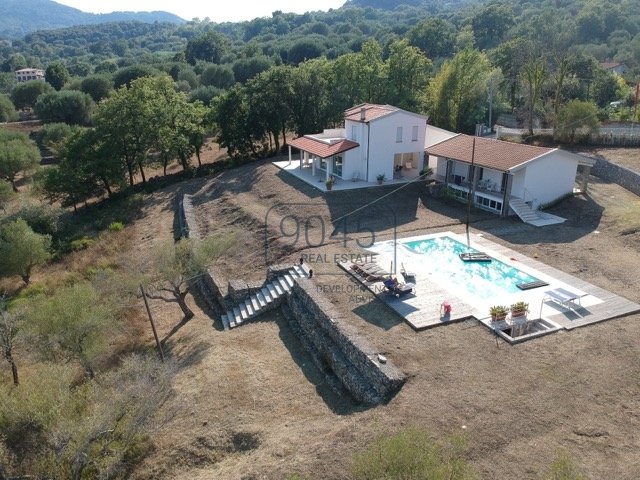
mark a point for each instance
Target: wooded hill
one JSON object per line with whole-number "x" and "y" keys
{"x": 607, "y": 30}
{"x": 19, "y": 17}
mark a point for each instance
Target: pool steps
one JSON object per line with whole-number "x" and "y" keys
{"x": 263, "y": 299}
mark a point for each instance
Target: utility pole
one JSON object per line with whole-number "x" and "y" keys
{"x": 153, "y": 324}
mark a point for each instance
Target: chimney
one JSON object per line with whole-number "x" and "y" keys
{"x": 363, "y": 112}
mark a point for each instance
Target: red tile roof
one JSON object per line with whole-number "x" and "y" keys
{"x": 322, "y": 149}
{"x": 490, "y": 153}
{"x": 371, "y": 112}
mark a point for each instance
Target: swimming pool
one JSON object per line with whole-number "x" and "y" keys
{"x": 479, "y": 279}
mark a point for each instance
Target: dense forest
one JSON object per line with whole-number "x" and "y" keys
{"x": 122, "y": 99}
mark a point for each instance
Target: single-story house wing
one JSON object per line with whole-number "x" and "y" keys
{"x": 504, "y": 177}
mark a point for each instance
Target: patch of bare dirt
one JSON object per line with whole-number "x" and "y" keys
{"x": 626, "y": 157}
{"x": 518, "y": 405}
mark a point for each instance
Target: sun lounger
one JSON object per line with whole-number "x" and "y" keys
{"x": 371, "y": 272}
{"x": 398, "y": 289}
{"x": 563, "y": 297}
{"x": 409, "y": 276}
{"x": 360, "y": 267}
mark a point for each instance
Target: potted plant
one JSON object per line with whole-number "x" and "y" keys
{"x": 498, "y": 313}
{"x": 519, "y": 309}
{"x": 380, "y": 178}
{"x": 426, "y": 172}
{"x": 329, "y": 182}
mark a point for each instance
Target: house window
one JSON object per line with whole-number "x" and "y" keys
{"x": 399, "y": 135}
{"x": 337, "y": 165}
{"x": 354, "y": 133}
{"x": 323, "y": 164}
{"x": 414, "y": 133}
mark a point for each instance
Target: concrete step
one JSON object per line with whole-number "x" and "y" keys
{"x": 254, "y": 302}
{"x": 243, "y": 311}
{"x": 284, "y": 284}
{"x": 277, "y": 288}
{"x": 236, "y": 319}
{"x": 225, "y": 321}
{"x": 248, "y": 306}
{"x": 303, "y": 270}
{"x": 266, "y": 294}
{"x": 288, "y": 279}
{"x": 262, "y": 301}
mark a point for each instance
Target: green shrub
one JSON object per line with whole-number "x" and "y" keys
{"x": 81, "y": 244}
{"x": 564, "y": 468}
{"x": 412, "y": 454}
{"x": 116, "y": 226}
{"x": 42, "y": 218}
{"x": 27, "y": 413}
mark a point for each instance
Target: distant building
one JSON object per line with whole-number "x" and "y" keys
{"x": 615, "y": 67}
{"x": 28, "y": 74}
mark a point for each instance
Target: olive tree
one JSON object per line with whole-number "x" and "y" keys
{"x": 17, "y": 154}
{"x": 21, "y": 249}
{"x": 10, "y": 323}
{"x": 73, "y": 323}
{"x": 178, "y": 265}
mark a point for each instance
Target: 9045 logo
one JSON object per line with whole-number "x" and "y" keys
{"x": 297, "y": 227}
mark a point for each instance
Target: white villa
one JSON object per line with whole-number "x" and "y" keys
{"x": 506, "y": 178}
{"x": 27, "y": 74}
{"x": 384, "y": 141}
{"x": 377, "y": 140}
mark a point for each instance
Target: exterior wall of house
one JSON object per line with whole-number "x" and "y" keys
{"x": 435, "y": 135}
{"x": 546, "y": 179}
{"x": 355, "y": 161}
{"x": 518, "y": 185}
{"x": 462, "y": 170}
{"x": 439, "y": 166}
{"x": 383, "y": 144}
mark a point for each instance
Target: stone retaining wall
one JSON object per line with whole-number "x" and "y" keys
{"x": 623, "y": 176}
{"x": 211, "y": 284}
{"x": 336, "y": 347}
{"x": 187, "y": 219}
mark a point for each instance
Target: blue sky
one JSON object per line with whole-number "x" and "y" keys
{"x": 219, "y": 11}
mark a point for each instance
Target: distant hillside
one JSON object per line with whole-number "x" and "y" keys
{"x": 19, "y": 17}
{"x": 393, "y": 4}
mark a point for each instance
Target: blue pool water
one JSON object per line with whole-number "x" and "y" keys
{"x": 482, "y": 280}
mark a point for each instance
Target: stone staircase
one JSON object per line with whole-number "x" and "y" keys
{"x": 263, "y": 299}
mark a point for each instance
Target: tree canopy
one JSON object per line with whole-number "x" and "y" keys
{"x": 21, "y": 249}
{"x": 17, "y": 154}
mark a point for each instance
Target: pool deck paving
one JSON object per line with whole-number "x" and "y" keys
{"x": 423, "y": 309}
{"x": 610, "y": 306}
